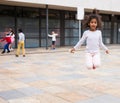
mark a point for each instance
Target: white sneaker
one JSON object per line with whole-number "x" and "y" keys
{"x": 11, "y": 49}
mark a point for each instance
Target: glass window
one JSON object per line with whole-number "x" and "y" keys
{"x": 43, "y": 32}
{"x": 106, "y": 32}
{"x": 71, "y": 32}
{"x": 115, "y": 33}
{"x": 118, "y": 35}
{"x": 54, "y": 19}
{"x": 27, "y": 12}
{"x": 71, "y": 41}
{"x": 53, "y": 14}
{"x": 71, "y": 24}
{"x": 53, "y": 25}
{"x": 71, "y": 28}
{"x": 31, "y": 26}
{"x": 43, "y": 23}
{"x": 7, "y": 11}
{"x": 70, "y": 15}
{"x": 31, "y": 42}
{"x": 43, "y": 42}
{"x": 7, "y": 20}
{"x": 28, "y": 20}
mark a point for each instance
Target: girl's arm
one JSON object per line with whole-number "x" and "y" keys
{"x": 56, "y": 34}
{"x": 102, "y": 45}
{"x": 49, "y": 35}
{"x": 2, "y": 39}
{"x": 81, "y": 41}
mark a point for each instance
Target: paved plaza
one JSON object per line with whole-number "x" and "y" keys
{"x": 57, "y": 76}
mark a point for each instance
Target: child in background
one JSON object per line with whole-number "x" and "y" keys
{"x": 7, "y": 39}
{"x": 93, "y": 38}
{"x": 12, "y": 38}
{"x": 21, "y": 43}
{"x": 53, "y": 35}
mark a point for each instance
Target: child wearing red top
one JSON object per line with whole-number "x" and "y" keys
{"x": 6, "y": 46}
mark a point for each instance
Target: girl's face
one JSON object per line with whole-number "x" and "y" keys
{"x": 93, "y": 24}
{"x": 53, "y": 32}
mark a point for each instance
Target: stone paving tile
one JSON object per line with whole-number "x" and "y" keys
{"x": 48, "y": 98}
{"x": 45, "y": 98}
{"x": 115, "y": 92}
{"x": 59, "y": 77}
{"x": 20, "y": 93}
{"x": 71, "y": 96}
{"x": 25, "y": 100}
{"x": 12, "y": 94}
{"x": 12, "y": 84}
{"x": 30, "y": 91}
{"x": 31, "y": 79}
{"x": 3, "y": 101}
{"x": 102, "y": 99}
{"x": 91, "y": 93}
{"x": 4, "y": 86}
{"x": 70, "y": 77}
{"x": 2, "y": 76}
{"x": 40, "y": 84}
{"x": 54, "y": 89}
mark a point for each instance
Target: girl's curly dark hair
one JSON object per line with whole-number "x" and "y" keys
{"x": 93, "y": 15}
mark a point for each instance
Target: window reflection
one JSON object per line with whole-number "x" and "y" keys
{"x": 28, "y": 19}
{"x": 27, "y": 12}
{"x": 6, "y": 20}
{"x": 71, "y": 28}
{"x": 53, "y": 24}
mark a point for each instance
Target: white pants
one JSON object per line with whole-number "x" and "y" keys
{"x": 93, "y": 59}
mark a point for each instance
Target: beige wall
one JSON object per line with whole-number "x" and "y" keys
{"x": 69, "y": 3}
{"x": 105, "y": 5}
{"x": 108, "y": 5}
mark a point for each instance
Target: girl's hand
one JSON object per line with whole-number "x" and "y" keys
{"x": 72, "y": 50}
{"x": 107, "y": 51}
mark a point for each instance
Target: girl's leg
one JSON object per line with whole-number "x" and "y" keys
{"x": 53, "y": 44}
{"x": 23, "y": 49}
{"x": 18, "y": 49}
{"x": 10, "y": 46}
{"x": 96, "y": 60}
{"x": 89, "y": 61}
{"x": 7, "y": 47}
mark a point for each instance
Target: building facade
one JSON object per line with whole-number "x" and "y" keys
{"x": 39, "y": 17}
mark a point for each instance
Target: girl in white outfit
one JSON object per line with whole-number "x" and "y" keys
{"x": 53, "y": 35}
{"x": 93, "y": 38}
{"x": 12, "y": 38}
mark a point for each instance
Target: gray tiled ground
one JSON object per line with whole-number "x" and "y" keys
{"x": 12, "y": 94}
{"x": 30, "y": 91}
{"x": 102, "y": 99}
{"x": 33, "y": 78}
{"x": 46, "y": 76}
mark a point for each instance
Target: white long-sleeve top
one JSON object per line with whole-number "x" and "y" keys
{"x": 53, "y": 36}
{"x": 13, "y": 38}
{"x": 93, "y": 41}
{"x": 21, "y": 37}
